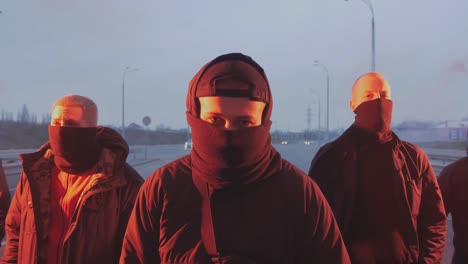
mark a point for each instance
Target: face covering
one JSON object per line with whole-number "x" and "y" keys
{"x": 75, "y": 149}
{"x": 374, "y": 116}
{"x": 225, "y": 158}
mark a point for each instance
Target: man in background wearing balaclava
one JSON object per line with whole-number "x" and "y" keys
{"x": 75, "y": 193}
{"x": 382, "y": 190}
{"x": 453, "y": 182}
{"x": 233, "y": 199}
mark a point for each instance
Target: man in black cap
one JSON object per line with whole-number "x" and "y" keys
{"x": 233, "y": 199}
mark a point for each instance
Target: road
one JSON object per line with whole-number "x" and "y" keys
{"x": 298, "y": 154}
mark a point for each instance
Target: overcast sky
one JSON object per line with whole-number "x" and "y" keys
{"x": 51, "y": 48}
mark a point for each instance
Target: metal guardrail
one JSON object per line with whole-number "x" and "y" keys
{"x": 138, "y": 151}
{"x": 12, "y": 169}
{"x": 440, "y": 160}
{"x": 445, "y": 159}
{"x": 14, "y": 154}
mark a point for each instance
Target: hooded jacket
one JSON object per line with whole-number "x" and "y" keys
{"x": 453, "y": 182}
{"x": 284, "y": 219}
{"x": 96, "y": 229}
{"x": 335, "y": 169}
{"x": 269, "y": 212}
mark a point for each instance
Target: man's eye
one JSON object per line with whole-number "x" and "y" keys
{"x": 246, "y": 123}
{"x": 215, "y": 120}
{"x": 55, "y": 123}
{"x": 70, "y": 123}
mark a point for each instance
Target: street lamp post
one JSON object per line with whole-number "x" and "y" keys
{"x": 369, "y": 4}
{"x": 317, "y": 98}
{"x": 318, "y": 63}
{"x": 127, "y": 70}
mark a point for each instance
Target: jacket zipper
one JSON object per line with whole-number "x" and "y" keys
{"x": 66, "y": 233}
{"x": 83, "y": 197}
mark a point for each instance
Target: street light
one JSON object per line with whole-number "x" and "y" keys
{"x": 127, "y": 70}
{"x": 369, "y": 4}
{"x": 318, "y": 63}
{"x": 317, "y": 98}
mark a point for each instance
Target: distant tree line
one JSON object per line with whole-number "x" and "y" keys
{"x": 24, "y": 116}
{"x": 24, "y": 130}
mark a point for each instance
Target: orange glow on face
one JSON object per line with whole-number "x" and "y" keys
{"x": 231, "y": 112}
{"x": 68, "y": 116}
{"x": 369, "y": 87}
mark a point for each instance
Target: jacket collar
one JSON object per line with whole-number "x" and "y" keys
{"x": 37, "y": 167}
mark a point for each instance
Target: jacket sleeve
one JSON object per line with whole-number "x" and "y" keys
{"x": 444, "y": 181}
{"x": 324, "y": 243}
{"x": 5, "y": 200}
{"x": 141, "y": 240}
{"x": 326, "y": 171}
{"x": 323, "y": 173}
{"x": 12, "y": 224}
{"x": 432, "y": 217}
{"x": 128, "y": 201}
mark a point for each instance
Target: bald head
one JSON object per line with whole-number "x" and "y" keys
{"x": 74, "y": 110}
{"x": 368, "y": 87}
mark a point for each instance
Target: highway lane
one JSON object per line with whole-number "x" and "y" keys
{"x": 298, "y": 154}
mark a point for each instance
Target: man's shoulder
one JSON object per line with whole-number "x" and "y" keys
{"x": 330, "y": 147}
{"x": 458, "y": 167}
{"x": 459, "y": 164}
{"x": 412, "y": 149}
{"x": 30, "y": 158}
{"x": 177, "y": 170}
{"x": 132, "y": 176}
{"x": 295, "y": 179}
{"x": 409, "y": 145}
{"x": 342, "y": 144}
{"x": 292, "y": 175}
{"x": 289, "y": 169}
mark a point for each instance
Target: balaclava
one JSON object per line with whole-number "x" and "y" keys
{"x": 75, "y": 149}
{"x": 374, "y": 116}
{"x": 226, "y": 158}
